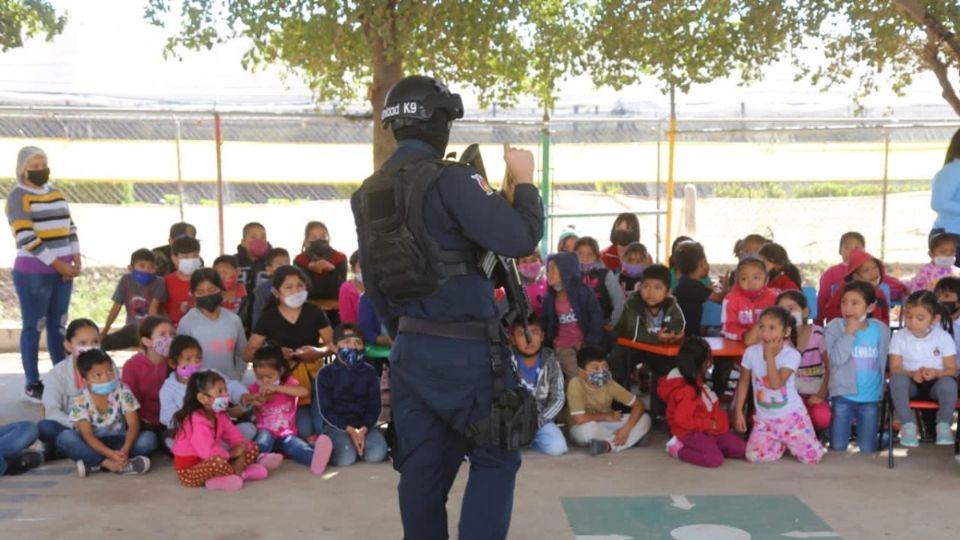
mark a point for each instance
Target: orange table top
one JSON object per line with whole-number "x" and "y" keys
{"x": 727, "y": 348}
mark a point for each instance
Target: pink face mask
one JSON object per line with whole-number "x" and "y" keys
{"x": 257, "y": 248}
{"x": 188, "y": 370}
{"x": 530, "y": 270}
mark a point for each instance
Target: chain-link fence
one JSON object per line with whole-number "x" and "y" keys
{"x": 130, "y": 174}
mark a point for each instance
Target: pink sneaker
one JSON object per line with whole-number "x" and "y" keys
{"x": 225, "y": 483}
{"x": 270, "y": 461}
{"x": 255, "y": 471}
{"x": 674, "y": 446}
{"x": 322, "y": 450}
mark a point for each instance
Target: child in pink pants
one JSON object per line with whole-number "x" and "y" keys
{"x": 814, "y": 369}
{"x": 781, "y": 421}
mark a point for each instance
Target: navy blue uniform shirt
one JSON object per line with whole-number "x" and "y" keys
{"x": 462, "y": 212}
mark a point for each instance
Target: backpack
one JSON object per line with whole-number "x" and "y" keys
{"x": 596, "y": 279}
{"x": 402, "y": 259}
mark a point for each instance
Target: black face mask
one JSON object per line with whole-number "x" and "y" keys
{"x": 951, "y": 306}
{"x": 621, "y": 237}
{"x": 210, "y": 302}
{"x": 320, "y": 248}
{"x": 435, "y": 132}
{"x": 39, "y": 177}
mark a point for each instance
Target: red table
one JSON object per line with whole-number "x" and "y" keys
{"x": 728, "y": 350}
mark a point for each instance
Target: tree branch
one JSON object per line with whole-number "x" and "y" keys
{"x": 931, "y": 55}
{"x": 922, "y": 15}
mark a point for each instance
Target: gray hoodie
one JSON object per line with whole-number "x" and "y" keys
{"x": 549, "y": 391}
{"x": 843, "y": 370}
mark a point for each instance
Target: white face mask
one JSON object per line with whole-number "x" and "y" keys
{"x": 296, "y": 299}
{"x": 944, "y": 262}
{"x": 189, "y": 266}
{"x": 358, "y": 276}
{"x": 798, "y": 318}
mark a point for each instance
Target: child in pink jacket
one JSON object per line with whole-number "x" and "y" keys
{"x": 208, "y": 449}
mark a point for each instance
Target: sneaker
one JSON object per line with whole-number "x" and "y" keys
{"x": 673, "y": 447}
{"x": 24, "y": 461}
{"x": 908, "y": 435}
{"x": 136, "y": 465}
{"x": 599, "y": 446}
{"x": 944, "y": 435}
{"x": 33, "y": 393}
{"x": 84, "y": 470}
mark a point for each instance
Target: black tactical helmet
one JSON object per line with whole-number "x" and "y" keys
{"x": 415, "y": 99}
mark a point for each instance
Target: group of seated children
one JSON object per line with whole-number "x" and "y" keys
{"x": 812, "y": 378}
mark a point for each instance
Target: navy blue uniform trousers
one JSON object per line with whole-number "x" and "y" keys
{"x": 438, "y": 386}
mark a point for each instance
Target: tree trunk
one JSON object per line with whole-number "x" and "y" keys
{"x": 937, "y": 34}
{"x": 386, "y": 72}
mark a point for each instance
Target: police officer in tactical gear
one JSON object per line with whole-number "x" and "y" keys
{"x": 422, "y": 223}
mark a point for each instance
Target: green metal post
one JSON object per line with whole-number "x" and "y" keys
{"x": 545, "y": 182}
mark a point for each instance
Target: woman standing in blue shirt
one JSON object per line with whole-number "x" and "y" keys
{"x": 945, "y": 193}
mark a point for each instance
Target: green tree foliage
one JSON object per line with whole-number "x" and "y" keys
{"x": 348, "y": 50}
{"x": 23, "y": 19}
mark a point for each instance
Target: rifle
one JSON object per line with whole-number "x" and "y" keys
{"x": 502, "y": 270}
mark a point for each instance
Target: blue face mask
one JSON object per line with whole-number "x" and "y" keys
{"x": 103, "y": 389}
{"x": 353, "y": 357}
{"x": 143, "y": 278}
{"x": 599, "y": 378}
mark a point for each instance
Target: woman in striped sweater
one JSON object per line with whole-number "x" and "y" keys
{"x": 48, "y": 258}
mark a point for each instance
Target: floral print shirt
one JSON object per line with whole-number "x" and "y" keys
{"x": 120, "y": 402}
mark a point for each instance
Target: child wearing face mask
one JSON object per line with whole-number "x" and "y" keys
{"x": 590, "y": 397}
{"x": 601, "y": 280}
{"x": 297, "y": 327}
{"x": 145, "y": 372}
{"x": 325, "y": 267}
{"x": 634, "y": 261}
{"x": 348, "y": 398}
{"x": 106, "y": 432}
{"x": 350, "y": 291}
{"x": 218, "y": 330}
{"x": 534, "y": 278}
{"x": 234, "y": 289}
{"x": 948, "y": 294}
{"x": 862, "y": 267}
{"x": 63, "y": 383}
{"x": 139, "y": 291}
{"x": 923, "y": 365}
{"x": 943, "y": 255}
{"x": 275, "y": 396}
{"x": 186, "y": 358}
{"x": 781, "y": 421}
{"x": 813, "y": 373}
{"x": 251, "y": 254}
{"x": 176, "y": 298}
{"x": 857, "y": 346}
{"x": 208, "y": 449}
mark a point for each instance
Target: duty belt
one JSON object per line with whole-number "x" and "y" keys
{"x": 470, "y": 330}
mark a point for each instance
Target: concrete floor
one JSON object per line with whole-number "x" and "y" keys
{"x": 856, "y": 495}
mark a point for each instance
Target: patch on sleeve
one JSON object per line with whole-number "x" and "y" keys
{"x": 482, "y": 182}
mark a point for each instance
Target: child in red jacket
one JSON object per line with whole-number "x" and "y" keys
{"x": 861, "y": 266}
{"x": 700, "y": 426}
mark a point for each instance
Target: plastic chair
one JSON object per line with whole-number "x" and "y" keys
{"x": 811, "y": 295}
{"x": 916, "y": 405}
{"x": 712, "y": 314}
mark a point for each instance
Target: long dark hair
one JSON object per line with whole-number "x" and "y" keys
{"x": 953, "y": 151}
{"x": 694, "y": 353}
{"x": 777, "y": 254}
{"x": 928, "y": 301}
{"x": 631, "y": 221}
{"x": 786, "y": 319}
{"x": 200, "y": 381}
